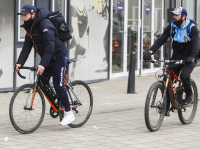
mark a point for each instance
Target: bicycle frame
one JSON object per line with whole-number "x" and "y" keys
{"x": 51, "y": 98}
{"x": 169, "y": 75}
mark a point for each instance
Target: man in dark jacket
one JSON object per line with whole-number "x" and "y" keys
{"x": 41, "y": 33}
{"x": 184, "y": 47}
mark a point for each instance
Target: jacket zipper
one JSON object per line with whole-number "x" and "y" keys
{"x": 30, "y": 35}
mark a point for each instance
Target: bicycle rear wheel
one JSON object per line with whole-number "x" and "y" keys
{"x": 187, "y": 114}
{"x": 154, "y": 108}
{"x": 26, "y": 119}
{"x": 81, "y": 112}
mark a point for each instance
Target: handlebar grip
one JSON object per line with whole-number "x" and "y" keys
{"x": 21, "y": 75}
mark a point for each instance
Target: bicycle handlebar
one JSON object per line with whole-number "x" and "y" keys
{"x": 29, "y": 68}
{"x": 168, "y": 61}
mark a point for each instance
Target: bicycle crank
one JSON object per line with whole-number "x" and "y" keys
{"x": 53, "y": 113}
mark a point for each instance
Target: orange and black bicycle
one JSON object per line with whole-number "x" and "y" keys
{"x": 155, "y": 106}
{"x": 27, "y": 106}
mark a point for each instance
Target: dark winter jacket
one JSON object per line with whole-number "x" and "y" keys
{"x": 43, "y": 35}
{"x": 181, "y": 50}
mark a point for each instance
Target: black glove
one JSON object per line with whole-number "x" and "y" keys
{"x": 147, "y": 56}
{"x": 189, "y": 60}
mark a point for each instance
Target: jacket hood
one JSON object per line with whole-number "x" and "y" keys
{"x": 42, "y": 14}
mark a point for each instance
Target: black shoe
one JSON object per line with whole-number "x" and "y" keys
{"x": 188, "y": 99}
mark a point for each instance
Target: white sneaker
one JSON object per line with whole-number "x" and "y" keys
{"x": 68, "y": 118}
{"x": 48, "y": 111}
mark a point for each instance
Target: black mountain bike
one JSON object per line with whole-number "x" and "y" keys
{"x": 27, "y": 106}
{"x": 155, "y": 106}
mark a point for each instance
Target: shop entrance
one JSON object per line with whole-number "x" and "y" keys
{"x": 136, "y": 25}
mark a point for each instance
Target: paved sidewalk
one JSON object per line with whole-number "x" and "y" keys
{"x": 117, "y": 122}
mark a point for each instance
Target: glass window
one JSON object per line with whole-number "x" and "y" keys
{"x": 132, "y": 30}
{"x": 22, "y": 32}
{"x": 118, "y": 36}
{"x": 59, "y": 5}
{"x": 168, "y": 19}
{"x": 147, "y": 30}
{"x": 189, "y": 5}
{"x": 167, "y": 13}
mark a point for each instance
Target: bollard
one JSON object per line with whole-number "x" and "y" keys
{"x": 131, "y": 77}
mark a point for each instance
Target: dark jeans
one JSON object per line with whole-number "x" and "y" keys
{"x": 57, "y": 69}
{"x": 184, "y": 71}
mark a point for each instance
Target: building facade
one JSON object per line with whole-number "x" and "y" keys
{"x": 104, "y": 33}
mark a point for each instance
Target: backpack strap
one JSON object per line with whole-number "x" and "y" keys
{"x": 189, "y": 30}
{"x": 172, "y": 32}
{"x": 190, "y": 25}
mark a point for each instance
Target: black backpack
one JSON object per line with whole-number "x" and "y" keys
{"x": 59, "y": 22}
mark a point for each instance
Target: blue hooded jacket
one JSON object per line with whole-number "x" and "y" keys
{"x": 181, "y": 32}
{"x": 181, "y": 48}
{"x": 43, "y": 35}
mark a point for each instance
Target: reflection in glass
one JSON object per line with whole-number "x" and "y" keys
{"x": 118, "y": 39}
{"x": 132, "y": 31}
{"x": 157, "y": 26}
{"x": 147, "y": 30}
{"x": 168, "y": 18}
{"x": 59, "y": 5}
{"x": 22, "y": 31}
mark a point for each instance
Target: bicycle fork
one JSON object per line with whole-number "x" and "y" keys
{"x": 31, "y": 96}
{"x": 160, "y": 106}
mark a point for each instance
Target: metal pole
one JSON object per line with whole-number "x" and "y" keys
{"x": 131, "y": 77}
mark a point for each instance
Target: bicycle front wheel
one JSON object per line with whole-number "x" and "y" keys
{"x": 155, "y": 107}
{"x": 81, "y": 111}
{"x": 26, "y": 119}
{"x": 187, "y": 114}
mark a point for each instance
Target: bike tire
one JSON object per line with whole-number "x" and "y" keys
{"x": 26, "y": 121}
{"x": 187, "y": 114}
{"x": 83, "y": 112}
{"x": 153, "y": 115}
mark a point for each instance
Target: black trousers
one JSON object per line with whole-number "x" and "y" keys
{"x": 185, "y": 74}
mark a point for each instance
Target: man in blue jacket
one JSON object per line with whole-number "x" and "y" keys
{"x": 42, "y": 34}
{"x": 185, "y": 47}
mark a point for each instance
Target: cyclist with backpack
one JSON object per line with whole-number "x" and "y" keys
{"x": 44, "y": 36}
{"x": 185, "y": 47}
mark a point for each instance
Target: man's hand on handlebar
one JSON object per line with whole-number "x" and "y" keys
{"x": 189, "y": 60}
{"x": 148, "y": 56}
{"x": 40, "y": 69}
{"x": 16, "y": 67}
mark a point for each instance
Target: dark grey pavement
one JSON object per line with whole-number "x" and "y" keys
{"x": 117, "y": 122}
